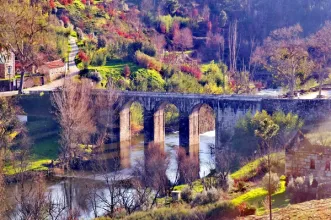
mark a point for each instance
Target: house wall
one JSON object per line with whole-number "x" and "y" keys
{"x": 56, "y": 73}
{"x": 4, "y": 67}
{"x": 52, "y": 74}
{"x": 298, "y": 163}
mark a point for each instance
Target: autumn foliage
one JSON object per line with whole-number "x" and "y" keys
{"x": 194, "y": 71}
{"x": 147, "y": 61}
{"x": 52, "y": 4}
{"x": 66, "y": 2}
{"x": 126, "y": 71}
{"x": 82, "y": 56}
{"x": 65, "y": 19}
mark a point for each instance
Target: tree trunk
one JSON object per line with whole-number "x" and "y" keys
{"x": 269, "y": 190}
{"x": 292, "y": 85}
{"x": 320, "y": 85}
{"x": 20, "y": 91}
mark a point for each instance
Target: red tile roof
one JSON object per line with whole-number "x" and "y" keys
{"x": 54, "y": 64}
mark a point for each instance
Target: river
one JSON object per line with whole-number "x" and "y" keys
{"x": 279, "y": 92}
{"x": 80, "y": 182}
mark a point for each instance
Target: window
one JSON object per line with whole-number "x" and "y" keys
{"x": 312, "y": 164}
{"x": 327, "y": 166}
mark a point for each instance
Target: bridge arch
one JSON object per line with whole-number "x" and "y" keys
{"x": 125, "y": 119}
{"x": 160, "y": 121}
{"x": 190, "y": 127}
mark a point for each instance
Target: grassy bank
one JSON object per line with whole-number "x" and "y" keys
{"x": 43, "y": 132}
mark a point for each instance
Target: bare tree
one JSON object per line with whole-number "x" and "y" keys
{"x": 159, "y": 41}
{"x": 151, "y": 172}
{"x": 188, "y": 167}
{"x": 285, "y": 54}
{"x": 33, "y": 201}
{"x": 319, "y": 48}
{"x": 225, "y": 161}
{"x": 206, "y": 12}
{"x": 216, "y": 41}
{"x": 74, "y": 112}
{"x": 183, "y": 39}
{"x": 146, "y": 6}
{"x": 233, "y": 46}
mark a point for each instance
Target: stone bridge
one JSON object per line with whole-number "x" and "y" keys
{"x": 228, "y": 109}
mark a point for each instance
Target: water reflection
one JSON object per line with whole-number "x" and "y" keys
{"x": 74, "y": 191}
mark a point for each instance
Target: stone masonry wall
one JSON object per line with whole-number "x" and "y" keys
{"x": 298, "y": 162}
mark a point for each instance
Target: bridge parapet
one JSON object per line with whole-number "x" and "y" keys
{"x": 228, "y": 110}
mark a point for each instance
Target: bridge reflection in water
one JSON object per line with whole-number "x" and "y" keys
{"x": 130, "y": 151}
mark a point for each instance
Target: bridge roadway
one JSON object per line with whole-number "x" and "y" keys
{"x": 228, "y": 109}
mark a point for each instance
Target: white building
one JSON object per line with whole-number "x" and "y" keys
{"x": 7, "y": 65}
{"x": 53, "y": 69}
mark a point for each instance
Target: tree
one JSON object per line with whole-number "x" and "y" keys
{"x": 215, "y": 42}
{"x": 245, "y": 142}
{"x": 171, "y": 6}
{"x": 206, "y": 12}
{"x": 126, "y": 71}
{"x": 285, "y": 54}
{"x": 24, "y": 30}
{"x": 233, "y": 46}
{"x": 74, "y": 112}
{"x": 187, "y": 167}
{"x": 158, "y": 40}
{"x": 319, "y": 48}
{"x": 3, "y": 207}
{"x": 9, "y": 123}
{"x": 225, "y": 161}
{"x": 183, "y": 39}
{"x": 266, "y": 130}
{"x": 151, "y": 172}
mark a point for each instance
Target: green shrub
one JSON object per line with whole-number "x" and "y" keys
{"x": 223, "y": 210}
{"x": 99, "y": 58}
{"x": 168, "y": 21}
{"x": 167, "y": 71}
{"x": 206, "y": 197}
{"x": 147, "y": 61}
{"x": 149, "y": 50}
{"x": 187, "y": 195}
{"x": 91, "y": 74}
{"x": 183, "y": 83}
{"x": 147, "y": 80}
{"x": 274, "y": 182}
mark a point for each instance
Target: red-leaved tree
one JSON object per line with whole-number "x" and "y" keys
{"x": 183, "y": 39}
{"x": 194, "y": 71}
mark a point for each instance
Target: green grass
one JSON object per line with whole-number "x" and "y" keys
{"x": 45, "y": 147}
{"x": 113, "y": 69}
{"x": 197, "y": 187}
{"x": 43, "y": 152}
{"x": 250, "y": 169}
{"x": 251, "y": 196}
{"x": 256, "y": 196}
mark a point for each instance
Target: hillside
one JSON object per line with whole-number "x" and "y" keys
{"x": 316, "y": 209}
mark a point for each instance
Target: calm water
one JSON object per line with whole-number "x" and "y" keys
{"x": 79, "y": 184}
